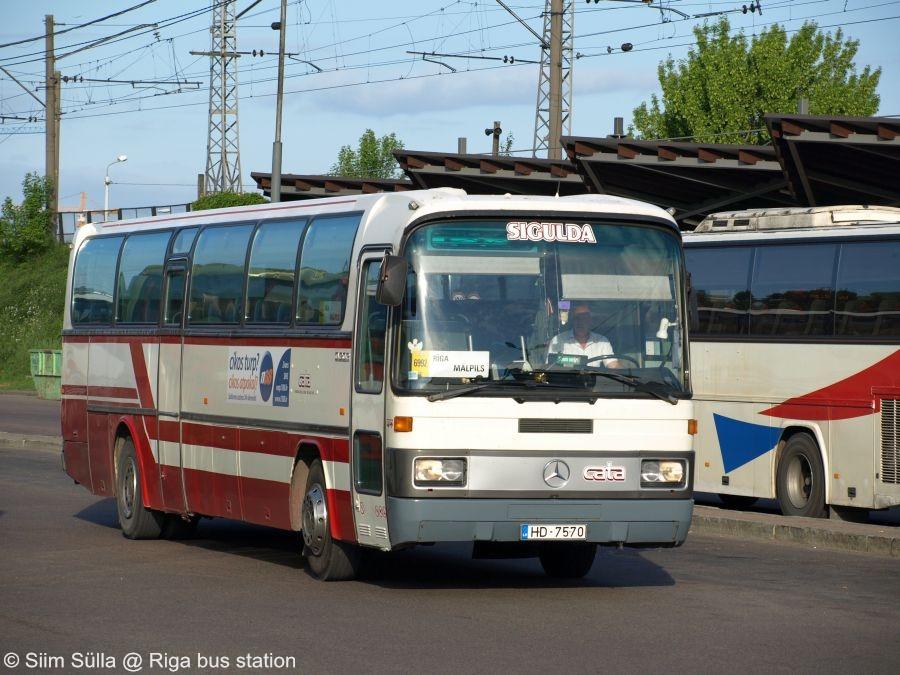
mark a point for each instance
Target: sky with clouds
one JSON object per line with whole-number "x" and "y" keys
{"x": 368, "y": 79}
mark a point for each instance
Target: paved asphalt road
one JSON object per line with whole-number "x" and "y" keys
{"x": 69, "y": 582}
{"x": 20, "y": 414}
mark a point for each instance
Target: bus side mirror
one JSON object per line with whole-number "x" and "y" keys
{"x": 693, "y": 311}
{"x": 391, "y": 281}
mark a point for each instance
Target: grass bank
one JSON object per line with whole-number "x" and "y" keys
{"x": 32, "y": 297}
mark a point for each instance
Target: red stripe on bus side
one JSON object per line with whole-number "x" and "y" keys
{"x": 74, "y": 390}
{"x": 140, "y": 374}
{"x": 338, "y": 343}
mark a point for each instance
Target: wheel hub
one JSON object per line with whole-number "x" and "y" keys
{"x": 799, "y": 481}
{"x": 314, "y": 514}
{"x": 129, "y": 488}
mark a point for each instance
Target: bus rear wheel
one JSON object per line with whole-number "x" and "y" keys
{"x": 328, "y": 559}
{"x": 136, "y": 521}
{"x": 800, "y": 480}
{"x": 567, "y": 560}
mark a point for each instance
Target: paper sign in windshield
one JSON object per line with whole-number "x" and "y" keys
{"x": 564, "y": 232}
{"x": 450, "y": 364}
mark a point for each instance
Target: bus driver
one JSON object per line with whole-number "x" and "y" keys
{"x": 581, "y": 340}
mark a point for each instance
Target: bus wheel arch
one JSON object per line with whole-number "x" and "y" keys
{"x": 136, "y": 520}
{"x": 800, "y": 473}
{"x": 307, "y": 453}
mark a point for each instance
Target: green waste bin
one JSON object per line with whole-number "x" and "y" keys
{"x": 46, "y": 371}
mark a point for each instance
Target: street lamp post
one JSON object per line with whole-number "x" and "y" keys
{"x": 107, "y": 181}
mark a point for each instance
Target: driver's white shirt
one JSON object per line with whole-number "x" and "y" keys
{"x": 566, "y": 343}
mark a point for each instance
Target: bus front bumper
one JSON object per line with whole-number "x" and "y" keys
{"x": 639, "y": 522}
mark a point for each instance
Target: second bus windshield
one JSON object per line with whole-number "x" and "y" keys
{"x": 484, "y": 306}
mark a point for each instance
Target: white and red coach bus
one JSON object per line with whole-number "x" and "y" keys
{"x": 387, "y": 370}
{"x": 796, "y": 358}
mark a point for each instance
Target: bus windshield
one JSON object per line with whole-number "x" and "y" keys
{"x": 527, "y": 306}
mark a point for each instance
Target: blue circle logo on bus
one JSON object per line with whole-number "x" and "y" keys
{"x": 266, "y": 377}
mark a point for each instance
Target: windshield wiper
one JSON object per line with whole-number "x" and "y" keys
{"x": 462, "y": 391}
{"x": 638, "y": 385}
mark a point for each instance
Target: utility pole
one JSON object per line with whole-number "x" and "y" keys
{"x": 223, "y": 157}
{"x": 494, "y": 131}
{"x": 51, "y": 116}
{"x": 553, "y": 142}
{"x": 553, "y": 111}
{"x": 275, "y": 184}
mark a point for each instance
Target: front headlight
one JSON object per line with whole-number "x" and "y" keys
{"x": 662, "y": 473}
{"x": 430, "y": 471}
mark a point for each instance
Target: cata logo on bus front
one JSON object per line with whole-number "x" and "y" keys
{"x": 254, "y": 378}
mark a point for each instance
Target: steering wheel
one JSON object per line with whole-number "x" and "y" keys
{"x": 613, "y": 356}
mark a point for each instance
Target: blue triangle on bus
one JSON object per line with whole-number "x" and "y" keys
{"x": 742, "y": 442}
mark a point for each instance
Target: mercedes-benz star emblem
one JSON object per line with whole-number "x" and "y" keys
{"x": 556, "y": 473}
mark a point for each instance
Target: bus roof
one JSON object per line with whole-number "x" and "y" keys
{"x": 412, "y": 205}
{"x": 798, "y": 218}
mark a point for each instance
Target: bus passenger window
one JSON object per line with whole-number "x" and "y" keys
{"x": 273, "y": 259}
{"x": 868, "y": 289}
{"x": 217, "y": 280}
{"x": 325, "y": 270}
{"x": 94, "y": 281}
{"x": 793, "y": 290}
{"x": 140, "y": 278}
{"x": 720, "y": 278}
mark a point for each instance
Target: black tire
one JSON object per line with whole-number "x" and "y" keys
{"x": 176, "y": 527}
{"x": 136, "y": 521}
{"x": 567, "y": 560}
{"x": 800, "y": 480}
{"x": 328, "y": 559}
{"x": 737, "y": 501}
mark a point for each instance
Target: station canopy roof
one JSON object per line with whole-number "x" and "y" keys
{"x": 295, "y": 187}
{"x": 811, "y": 161}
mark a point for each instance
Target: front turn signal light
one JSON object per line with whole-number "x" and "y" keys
{"x": 692, "y": 427}
{"x": 403, "y": 424}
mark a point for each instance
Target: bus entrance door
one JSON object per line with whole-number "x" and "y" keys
{"x": 367, "y": 410}
{"x": 169, "y": 387}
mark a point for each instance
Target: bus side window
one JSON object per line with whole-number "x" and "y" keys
{"x": 217, "y": 279}
{"x": 273, "y": 260}
{"x": 94, "y": 281}
{"x": 140, "y": 278}
{"x": 325, "y": 270}
{"x": 868, "y": 289}
{"x": 720, "y": 277}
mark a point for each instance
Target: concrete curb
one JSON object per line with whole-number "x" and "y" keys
{"x": 30, "y": 442}
{"x": 818, "y": 533}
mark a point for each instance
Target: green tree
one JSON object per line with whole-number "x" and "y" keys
{"x": 723, "y": 88}
{"x": 27, "y": 229}
{"x": 221, "y": 200}
{"x": 506, "y": 144}
{"x": 372, "y": 158}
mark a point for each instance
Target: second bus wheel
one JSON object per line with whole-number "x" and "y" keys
{"x": 328, "y": 559}
{"x": 137, "y": 521}
{"x": 567, "y": 560}
{"x": 800, "y": 480}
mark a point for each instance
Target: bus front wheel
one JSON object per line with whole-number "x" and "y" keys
{"x": 136, "y": 521}
{"x": 328, "y": 559}
{"x": 567, "y": 560}
{"x": 800, "y": 481}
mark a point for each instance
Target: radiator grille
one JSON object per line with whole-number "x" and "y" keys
{"x": 890, "y": 440}
{"x": 537, "y": 425}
